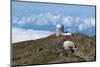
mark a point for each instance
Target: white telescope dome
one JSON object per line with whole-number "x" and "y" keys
{"x": 59, "y": 25}
{"x": 59, "y": 29}
{"x": 69, "y": 44}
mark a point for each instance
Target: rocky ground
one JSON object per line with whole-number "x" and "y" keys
{"x": 44, "y": 51}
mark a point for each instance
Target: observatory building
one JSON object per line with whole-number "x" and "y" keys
{"x": 69, "y": 46}
{"x": 59, "y": 29}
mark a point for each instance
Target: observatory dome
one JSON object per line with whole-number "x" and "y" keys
{"x": 68, "y": 45}
{"x": 59, "y": 29}
{"x": 59, "y": 25}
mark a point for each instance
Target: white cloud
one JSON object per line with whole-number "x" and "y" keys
{"x": 82, "y": 27}
{"x": 82, "y": 23}
{"x": 87, "y": 23}
{"x": 90, "y": 21}
{"x": 53, "y": 19}
{"x": 40, "y": 19}
{"x": 19, "y": 34}
{"x": 93, "y": 22}
{"x": 77, "y": 19}
{"x": 67, "y": 20}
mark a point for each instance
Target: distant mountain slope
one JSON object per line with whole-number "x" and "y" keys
{"x": 43, "y": 51}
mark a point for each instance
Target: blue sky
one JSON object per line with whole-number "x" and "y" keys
{"x": 44, "y": 17}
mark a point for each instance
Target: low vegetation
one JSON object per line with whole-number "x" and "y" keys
{"x": 43, "y": 51}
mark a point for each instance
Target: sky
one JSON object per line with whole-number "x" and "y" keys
{"x": 32, "y": 20}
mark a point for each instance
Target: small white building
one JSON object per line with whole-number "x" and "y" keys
{"x": 66, "y": 34}
{"x": 59, "y": 29}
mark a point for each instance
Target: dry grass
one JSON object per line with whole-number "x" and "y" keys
{"x": 43, "y": 51}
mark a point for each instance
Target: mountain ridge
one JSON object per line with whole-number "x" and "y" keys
{"x": 44, "y": 51}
